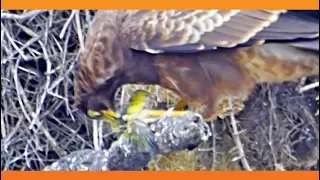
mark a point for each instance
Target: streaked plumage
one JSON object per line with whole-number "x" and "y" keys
{"x": 205, "y": 56}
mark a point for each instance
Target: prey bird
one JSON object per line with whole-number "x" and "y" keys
{"x": 131, "y": 120}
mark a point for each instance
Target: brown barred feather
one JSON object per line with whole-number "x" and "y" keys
{"x": 205, "y": 56}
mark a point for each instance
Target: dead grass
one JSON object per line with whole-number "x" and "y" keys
{"x": 39, "y": 51}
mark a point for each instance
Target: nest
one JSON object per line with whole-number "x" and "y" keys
{"x": 39, "y": 52}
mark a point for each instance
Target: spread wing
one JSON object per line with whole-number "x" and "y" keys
{"x": 157, "y": 31}
{"x": 179, "y": 31}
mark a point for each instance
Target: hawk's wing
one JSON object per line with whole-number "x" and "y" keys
{"x": 157, "y": 31}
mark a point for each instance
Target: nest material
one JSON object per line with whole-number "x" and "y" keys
{"x": 39, "y": 52}
{"x": 279, "y": 131}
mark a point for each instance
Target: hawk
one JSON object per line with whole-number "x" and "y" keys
{"x": 204, "y": 56}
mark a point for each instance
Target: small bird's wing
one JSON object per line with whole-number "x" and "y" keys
{"x": 141, "y": 137}
{"x": 158, "y": 31}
